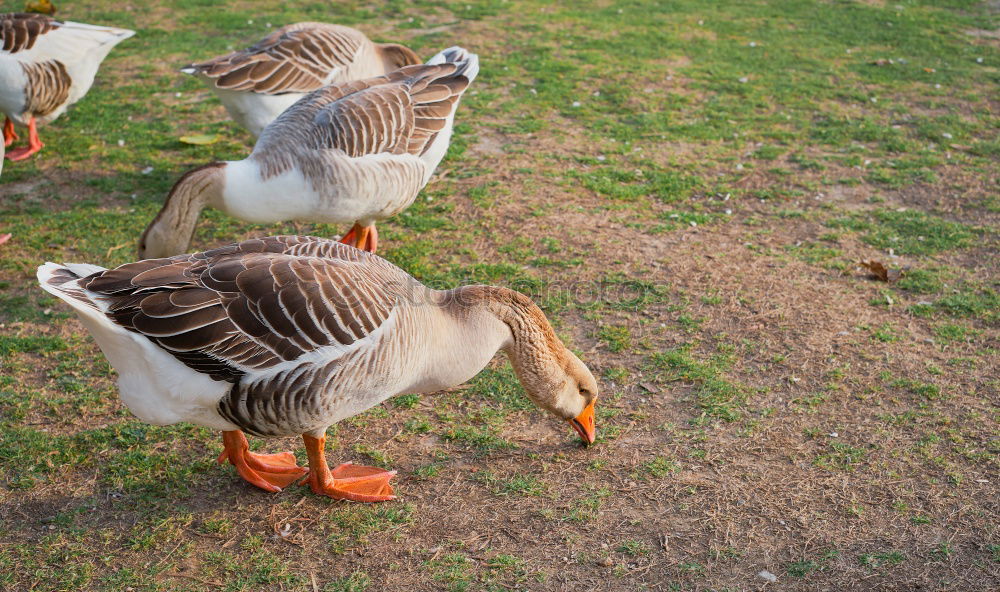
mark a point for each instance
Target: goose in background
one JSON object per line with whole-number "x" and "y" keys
{"x": 288, "y": 335}
{"x": 46, "y": 65}
{"x": 352, "y": 152}
{"x": 258, "y": 83}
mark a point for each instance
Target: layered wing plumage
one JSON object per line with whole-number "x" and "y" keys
{"x": 19, "y": 31}
{"x": 249, "y": 307}
{"x": 399, "y": 113}
{"x": 34, "y": 38}
{"x": 296, "y": 58}
{"x": 47, "y": 64}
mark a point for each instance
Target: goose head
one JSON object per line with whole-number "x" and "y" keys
{"x": 553, "y": 377}
{"x": 561, "y": 384}
{"x": 171, "y": 230}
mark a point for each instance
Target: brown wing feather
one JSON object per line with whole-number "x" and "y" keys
{"x": 20, "y": 30}
{"x": 252, "y": 305}
{"x": 398, "y": 113}
{"x": 295, "y": 58}
{"x": 48, "y": 86}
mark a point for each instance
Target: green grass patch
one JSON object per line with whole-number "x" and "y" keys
{"x": 910, "y": 232}
{"x": 483, "y": 439}
{"x": 617, "y": 339}
{"x": 715, "y": 395}
{"x": 881, "y": 560}
{"x": 354, "y": 524}
{"x": 657, "y": 468}
{"x": 501, "y": 387}
{"x": 36, "y": 344}
{"x": 841, "y": 457}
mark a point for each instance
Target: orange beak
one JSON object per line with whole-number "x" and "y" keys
{"x": 584, "y": 424}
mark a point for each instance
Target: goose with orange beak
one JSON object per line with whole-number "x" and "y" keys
{"x": 584, "y": 423}
{"x": 288, "y": 335}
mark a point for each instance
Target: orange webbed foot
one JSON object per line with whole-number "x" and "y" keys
{"x": 34, "y": 144}
{"x": 270, "y": 472}
{"x": 353, "y": 482}
{"x": 348, "y": 481}
{"x": 23, "y": 152}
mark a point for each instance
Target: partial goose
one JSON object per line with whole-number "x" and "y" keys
{"x": 258, "y": 83}
{"x": 353, "y": 152}
{"x": 288, "y": 335}
{"x": 46, "y": 65}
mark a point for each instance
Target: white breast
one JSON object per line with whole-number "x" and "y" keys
{"x": 288, "y": 196}
{"x": 342, "y": 190}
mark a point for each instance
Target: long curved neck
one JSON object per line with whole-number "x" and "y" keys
{"x": 395, "y": 56}
{"x": 171, "y": 231}
{"x": 490, "y": 319}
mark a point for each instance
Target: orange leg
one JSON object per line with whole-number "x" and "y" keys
{"x": 348, "y": 481}
{"x": 270, "y": 472}
{"x": 362, "y": 237}
{"x": 34, "y": 144}
{"x": 9, "y": 135}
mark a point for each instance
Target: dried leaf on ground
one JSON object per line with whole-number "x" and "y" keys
{"x": 200, "y": 139}
{"x": 879, "y": 271}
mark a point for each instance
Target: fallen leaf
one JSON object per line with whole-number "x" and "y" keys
{"x": 5, "y": 237}
{"x": 882, "y": 273}
{"x": 200, "y": 139}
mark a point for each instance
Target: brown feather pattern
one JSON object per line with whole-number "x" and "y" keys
{"x": 245, "y": 308}
{"x": 20, "y": 30}
{"x": 295, "y": 58}
{"x": 397, "y": 113}
{"x": 48, "y": 86}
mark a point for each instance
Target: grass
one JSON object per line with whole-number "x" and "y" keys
{"x": 714, "y": 395}
{"x": 841, "y": 457}
{"x": 881, "y": 560}
{"x": 684, "y": 190}
{"x": 908, "y": 232}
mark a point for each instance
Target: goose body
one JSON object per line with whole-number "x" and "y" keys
{"x": 352, "y": 152}
{"x": 46, "y": 65}
{"x": 258, "y": 83}
{"x": 361, "y": 190}
{"x": 288, "y": 335}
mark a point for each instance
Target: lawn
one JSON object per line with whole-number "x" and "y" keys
{"x": 686, "y": 188}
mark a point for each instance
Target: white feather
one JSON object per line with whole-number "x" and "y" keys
{"x": 79, "y": 47}
{"x": 374, "y": 186}
{"x": 254, "y": 110}
{"x": 154, "y": 385}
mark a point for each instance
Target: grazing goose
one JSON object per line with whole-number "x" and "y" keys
{"x": 353, "y": 152}
{"x": 288, "y": 335}
{"x": 46, "y": 65}
{"x": 258, "y": 83}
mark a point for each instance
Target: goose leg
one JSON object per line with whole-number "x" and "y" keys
{"x": 9, "y": 135}
{"x": 270, "y": 472}
{"x": 34, "y": 144}
{"x": 348, "y": 481}
{"x": 362, "y": 237}
{"x": 372, "y": 240}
